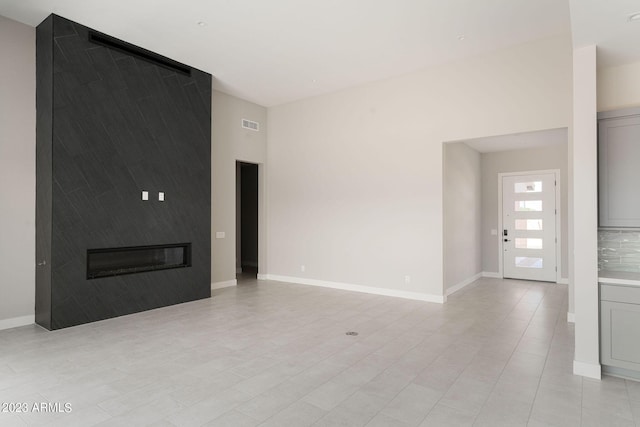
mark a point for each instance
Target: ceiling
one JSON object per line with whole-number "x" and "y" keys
{"x": 276, "y": 51}
{"x": 519, "y": 141}
{"x": 605, "y": 23}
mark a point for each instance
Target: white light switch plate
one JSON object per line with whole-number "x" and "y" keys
{"x": 220, "y": 234}
{"x": 145, "y": 195}
{"x": 161, "y": 196}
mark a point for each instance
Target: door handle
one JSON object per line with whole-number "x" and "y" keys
{"x": 507, "y": 240}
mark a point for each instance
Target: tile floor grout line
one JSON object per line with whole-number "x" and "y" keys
{"x": 581, "y": 401}
{"x": 493, "y": 387}
{"x": 633, "y": 415}
{"x": 546, "y": 358}
{"x": 514, "y": 349}
{"x": 493, "y": 332}
{"x": 385, "y": 370}
{"x": 368, "y": 354}
{"x": 319, "y": 385}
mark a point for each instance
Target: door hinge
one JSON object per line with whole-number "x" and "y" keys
{"x": 555, "y": 183}
{"x": 556, "y": 240}
{"x": 555, "y": 211}
{"x": 556, "y": 268}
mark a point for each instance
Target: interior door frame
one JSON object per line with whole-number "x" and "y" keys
{"x": 556, "y": 173}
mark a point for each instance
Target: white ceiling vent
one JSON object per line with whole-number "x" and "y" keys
{"x": 251, "y": 125}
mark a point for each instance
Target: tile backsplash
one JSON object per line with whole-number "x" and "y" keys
{"x": 619, "y": 250}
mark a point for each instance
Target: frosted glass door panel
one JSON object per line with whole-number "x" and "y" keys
{"x": 529, "y": 224}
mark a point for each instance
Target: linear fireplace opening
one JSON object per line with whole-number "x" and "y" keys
{"x": 136, "y": 259}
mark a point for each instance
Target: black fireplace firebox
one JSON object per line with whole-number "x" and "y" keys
{"x": 136, "y": 259}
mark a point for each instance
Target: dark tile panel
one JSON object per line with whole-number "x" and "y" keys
{"x": 122, "y": 125}
{"x": 104, "y": 63}
{"x": 63, "y": 27}
{"x": 44, "y": 137}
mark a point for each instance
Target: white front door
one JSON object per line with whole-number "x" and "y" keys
{"x": 529, "y": 227}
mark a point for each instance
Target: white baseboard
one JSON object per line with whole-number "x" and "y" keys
{"x": 466, "y": 282}
{"x": 356, "y": 288}
{"x": 588, "y": 370}
{"x": 15, "y": 322}
{"x": 225, "y": 284}
{"x": 491, "y": 274}
{"x": 571, "y": 317}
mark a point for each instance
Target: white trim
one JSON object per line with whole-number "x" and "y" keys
{"x": 225, "y": 284}
{"x": 262, "y": 276}
{"x": 571, "y": 317}
{"x": 563, "y": 281}
{"x": 465, "y": 282}
{"x": 619, "y": 281}
{"x": 626, "y": 374}
{"x": 589, "y": 370}
{"x": 15, "y": 322}
{"x": 556, "y": 173}
{"x": 492, "y": 274}
{"x": 559, "y": 229}
{"x": 357, "y": 288}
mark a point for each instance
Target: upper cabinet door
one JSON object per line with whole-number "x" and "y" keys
{"x": 619, "y": 170}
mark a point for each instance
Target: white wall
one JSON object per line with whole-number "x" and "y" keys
{"x": 619, "y": 87}
{"x": 355, "y": 177}
{"x": 583, "y": 150}
{"x": 542, "y": 158}
{"x": 17, "y": 172}
{"x": 462, "y": 215}
{"x": 230, "y": 142}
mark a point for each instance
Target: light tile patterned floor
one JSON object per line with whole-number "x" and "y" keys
{"x": 499, "y": 353}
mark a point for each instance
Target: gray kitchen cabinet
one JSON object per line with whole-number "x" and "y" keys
{"x": 620, "y": 327}
{"x": 619, "y": 168}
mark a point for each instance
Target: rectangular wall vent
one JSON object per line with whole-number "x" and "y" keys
{"x": 251, "y": 125}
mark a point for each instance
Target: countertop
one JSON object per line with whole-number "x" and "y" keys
{"x": 619, "y": 278}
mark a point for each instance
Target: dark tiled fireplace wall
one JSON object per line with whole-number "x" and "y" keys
{"x": 114, "y": 120}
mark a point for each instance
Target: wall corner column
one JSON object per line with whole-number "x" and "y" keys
{"x": 584, "y": 183}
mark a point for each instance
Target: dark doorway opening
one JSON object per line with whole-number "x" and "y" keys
{"x": 246, "y": 221}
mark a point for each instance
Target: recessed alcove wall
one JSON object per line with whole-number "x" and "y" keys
{"x": 111, "y": 123}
